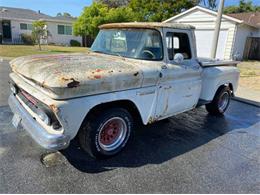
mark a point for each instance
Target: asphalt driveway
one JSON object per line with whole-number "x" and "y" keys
{"x": 189, "y": 153}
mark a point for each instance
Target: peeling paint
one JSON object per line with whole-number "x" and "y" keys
{"x": 97, "y": 76}
{"x": 74, "y": 75}
{"x": 135, "y": 74}
{"x": 73, "y": 84}
{"x": 54, "y": 108}
{"x": 146, "y": 25}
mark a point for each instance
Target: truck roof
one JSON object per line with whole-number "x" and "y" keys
{"x": 146, "y": 25}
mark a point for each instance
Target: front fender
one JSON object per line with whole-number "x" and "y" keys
{"x": 72, "y": 112}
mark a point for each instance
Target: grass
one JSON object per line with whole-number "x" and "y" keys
{"x": 23, "y": 50}
{"x": 250, "y": 75}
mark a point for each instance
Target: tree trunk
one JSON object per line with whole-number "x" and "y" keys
{"x": 39, "y": 44}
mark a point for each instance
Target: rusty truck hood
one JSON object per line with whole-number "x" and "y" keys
{"x": 73, "y": 75}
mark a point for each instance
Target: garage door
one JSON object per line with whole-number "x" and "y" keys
{"x": 204, "y": 40}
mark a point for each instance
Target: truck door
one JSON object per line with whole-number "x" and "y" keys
{"x": 180, "y": 83}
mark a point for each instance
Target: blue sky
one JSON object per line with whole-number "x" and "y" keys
{"x": 74, "y": 7}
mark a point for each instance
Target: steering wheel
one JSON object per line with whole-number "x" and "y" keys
{"x": 149, "y": 52}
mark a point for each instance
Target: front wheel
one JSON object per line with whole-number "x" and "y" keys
{"x": 107, "y": 133}
{"x": 220, "y": 102}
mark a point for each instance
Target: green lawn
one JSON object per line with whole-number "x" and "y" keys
{"x": 23, "y": 50}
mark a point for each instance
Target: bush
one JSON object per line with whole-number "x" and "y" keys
{"x": 27, "y": 39}
{"x": 74, "y": 43}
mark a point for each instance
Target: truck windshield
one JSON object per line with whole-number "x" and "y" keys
{"x": 143, "y": 44}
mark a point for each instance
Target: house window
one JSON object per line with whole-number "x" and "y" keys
{"x": 24, "y": 26}
{"x": 178, "y": 43}
{"x": 64, "y": 30}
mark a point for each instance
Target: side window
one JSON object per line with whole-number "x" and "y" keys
{"x": 24, "y": 26}
{"x": 61, "y": 29}
{"x": 64, "y": 30}
{"x": 178, "y": 43}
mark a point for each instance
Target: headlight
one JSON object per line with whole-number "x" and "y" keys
{"x": 44, "y": 117}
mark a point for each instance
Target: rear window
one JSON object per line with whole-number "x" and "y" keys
{"x": 178, "y": 43}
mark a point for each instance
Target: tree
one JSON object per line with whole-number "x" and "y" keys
{"x": 113, "y": 3}
{"x": 107, "y": 11}
{"x": 40, "y": 32}
{"x": 97, "y": 14}
{"x": 66, "y": 14}
{"x": 159, "y": 10}
{"x": 212, "y": 4}
{"x": 244, "y": 6}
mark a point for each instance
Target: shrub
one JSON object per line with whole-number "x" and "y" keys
{"x": 74, "y": 43}
{"x": 27, "y": 39}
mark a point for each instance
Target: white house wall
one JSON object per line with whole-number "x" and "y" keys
{"x": 16, "y": 31}
{"x": 206, "y": 21}
{"x": 52, "y": 27}
{"x": 60, "y": 39}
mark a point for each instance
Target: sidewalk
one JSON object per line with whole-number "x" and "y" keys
{"x": 249, "y": 96}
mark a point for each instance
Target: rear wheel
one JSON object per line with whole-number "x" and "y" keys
{"x": 106, "y": 134}
{"x": 220, "y": 102}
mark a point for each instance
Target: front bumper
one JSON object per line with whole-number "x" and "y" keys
{"x": 37, "y": 132}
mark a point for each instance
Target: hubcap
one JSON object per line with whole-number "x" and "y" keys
{"x": 112, "y": 134}
{"x": 223, "y": 101}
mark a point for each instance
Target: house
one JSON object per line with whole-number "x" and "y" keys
{"x": 16, "y": 21}
{"x": 234, "y": 39}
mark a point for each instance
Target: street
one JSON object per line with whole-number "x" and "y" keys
{"x": 189, "y": 153}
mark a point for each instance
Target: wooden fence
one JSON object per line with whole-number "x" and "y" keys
{"x": 252, "y": 49}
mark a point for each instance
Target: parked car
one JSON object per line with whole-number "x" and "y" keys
{"x": 135, "y": 71}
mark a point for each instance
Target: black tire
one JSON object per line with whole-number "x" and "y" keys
{"x": 214, "y": 107}
{"x": 91, "y": 130}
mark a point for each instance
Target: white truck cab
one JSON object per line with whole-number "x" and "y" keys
{"x": 134, "y": 71}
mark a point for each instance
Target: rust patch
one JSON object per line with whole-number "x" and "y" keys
{"x": 135, "y": 74}
{"x": 97, "y": 76}
{"x": 65, "y": 79}
{"x": 54, "y": 108}
{"x": 152, "y": 120}
{"x": 44, "y": 85}
{"x": 73, "y": 84}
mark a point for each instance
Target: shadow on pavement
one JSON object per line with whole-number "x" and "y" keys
{"x": 164, "y": 140}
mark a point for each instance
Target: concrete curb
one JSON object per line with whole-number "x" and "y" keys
{"x": 247, "y": 101}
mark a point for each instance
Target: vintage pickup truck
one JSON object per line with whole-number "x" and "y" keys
{"x": 134, "y": 72}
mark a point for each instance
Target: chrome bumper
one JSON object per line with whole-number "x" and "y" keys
{"x": 37, "y": 132}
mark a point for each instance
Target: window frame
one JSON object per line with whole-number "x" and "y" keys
{"x": 65, "y": 29}
{"x": 160, "y": 32}
{"x": 178, "y": 32}
{"x": 28, "y": 26}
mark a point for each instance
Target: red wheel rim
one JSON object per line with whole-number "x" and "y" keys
{"x": 112, "y": 133}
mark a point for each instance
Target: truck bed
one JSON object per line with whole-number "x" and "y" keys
{"x": 208, "y": 62}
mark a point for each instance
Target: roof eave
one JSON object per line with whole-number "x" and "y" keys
{"x": 41, "y": 19}
{"x": 205, "y": 10}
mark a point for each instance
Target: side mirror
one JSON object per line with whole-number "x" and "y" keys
{"x": 178, "y": 58}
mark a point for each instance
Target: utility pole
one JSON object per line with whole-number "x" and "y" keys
{"x": 217, "y": 30}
